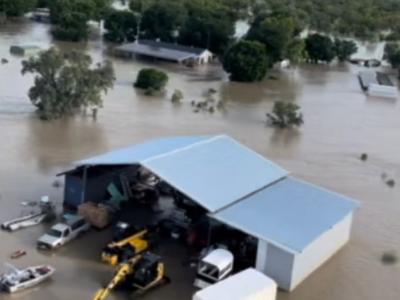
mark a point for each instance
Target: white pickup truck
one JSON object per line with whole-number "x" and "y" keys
{"x": 62, "y": 233}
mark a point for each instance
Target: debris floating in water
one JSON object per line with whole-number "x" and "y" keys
{"x": 364, "y": 156}
{"x": 17, "y": 254}
{"x": 56, "y": 184}
{"x": 389, "y": 258}
{"x": 390, "y": 183}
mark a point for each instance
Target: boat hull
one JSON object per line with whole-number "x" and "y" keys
{"x": 46, "y": 273}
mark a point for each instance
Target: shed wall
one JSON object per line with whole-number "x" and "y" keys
{"x": 320, "y": 251}
{"x": 279, "y": 266}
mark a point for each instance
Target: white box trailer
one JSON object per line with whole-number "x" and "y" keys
{"x": 246, "y": 285}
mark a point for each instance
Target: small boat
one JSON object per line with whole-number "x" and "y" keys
{"x": 23, "y": 222}
{"x": 46, "y": 212}
{"x": 16, "y": 280}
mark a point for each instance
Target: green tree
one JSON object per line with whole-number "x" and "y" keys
{"x": 285, "y": 115}
{"x": 246, "y": 61}
{"x": 161, "y": 20}
{"x": 392, "y": 55}
{"x": 207, "y": 26}
{"x": 151, "y": 79}
{"x": 139, "y": 6}
{"x": 276, "y": 33}
{"x": 121, "y": 26}
{"x": 320, "y": 48}
{"x": 344, "y": 49}
{"x": 65, "y": 83}
{"x": 16, "y": 8}
{"x": 71, "y": 27}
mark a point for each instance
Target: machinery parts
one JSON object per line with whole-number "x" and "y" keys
{"x": 140, "y": 273}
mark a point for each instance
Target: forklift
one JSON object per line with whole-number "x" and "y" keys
{"x": 139, "y": 274}
{"x": 122, "y": 250}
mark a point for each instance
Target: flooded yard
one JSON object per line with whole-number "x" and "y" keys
{"x": 340, "y": 124}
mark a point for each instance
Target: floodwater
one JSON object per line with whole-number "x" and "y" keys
{"x": 340, "y": 124}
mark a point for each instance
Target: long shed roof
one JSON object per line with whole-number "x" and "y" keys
{"x": 161, "y": 50}
{"x": 290, "y": 214}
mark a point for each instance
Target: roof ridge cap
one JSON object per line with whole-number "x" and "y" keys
{"x": 181, "y": 149}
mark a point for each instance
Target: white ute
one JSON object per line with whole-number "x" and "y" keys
{"x": 62, "y": 233}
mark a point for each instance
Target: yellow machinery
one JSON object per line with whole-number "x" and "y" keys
{"x": 117, "y": 252}
{"x": 139, "y": 273}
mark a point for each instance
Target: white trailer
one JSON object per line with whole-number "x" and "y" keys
{"x": 246, "y": 285}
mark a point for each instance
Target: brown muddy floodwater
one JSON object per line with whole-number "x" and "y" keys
{"x": 340, "y": 124}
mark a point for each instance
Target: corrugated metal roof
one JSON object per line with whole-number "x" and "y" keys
{"x": 290, "y": 214}
{"x": 137, "y": 153}
{"x": 158, "y": 52}
{"x": 182, "y": 48}
{"x": 216, "y": 172}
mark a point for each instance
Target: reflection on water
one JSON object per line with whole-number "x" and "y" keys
{"x": 340, "y": 124}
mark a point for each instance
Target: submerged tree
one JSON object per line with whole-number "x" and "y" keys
{"x": 16, "y": 8}
{"x": 344, "y": 49}
{"x": 246, "y": 61}
{"x": 276, "y": 33}
{"x": 121, "y": 26}
{"x": 392, "y": 55}
{"x": 151, "y": 80}
{"x": 320, "y": 48}
{"x": 65, "y": 83}
{"x": 285, "y": 115}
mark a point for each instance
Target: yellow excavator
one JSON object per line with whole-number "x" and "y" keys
{"x": 139, "y": 274}
{"x": 120, "y": 251}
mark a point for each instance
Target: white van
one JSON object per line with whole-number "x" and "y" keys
{"x": 214, "y": 267}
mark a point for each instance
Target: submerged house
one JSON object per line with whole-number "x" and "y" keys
{"x": 165, "y": 51}
{"x": 377, "y": 84}
{"x": 297, "y": 226}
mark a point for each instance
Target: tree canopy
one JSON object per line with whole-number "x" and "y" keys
{"x": 344, "y": 49}
{"x": 364, "y": 19}
{"x": 246, "y": 61}
{"x": 70, "y": 17}
{"x": 276, "y": 33}
{"x": 320, "y": 48}
{"x": 16, "y": 8}
{"x": 207, "y": 26}
{"x": 65, "y": 83}
{"x": 285, "y": 115}
{"x": 151, "y": 80}
{"x": 162, "y": 20}
{"x": 121, "y": 26}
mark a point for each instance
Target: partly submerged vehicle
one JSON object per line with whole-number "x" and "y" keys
{"x": 62, "y": 233}
{"x": 214, "y": 267}
{"x": 15, "y": 280}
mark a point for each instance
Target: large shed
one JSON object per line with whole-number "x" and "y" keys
{"x": 298, "y": 225}
{"x": 166, "y": 51}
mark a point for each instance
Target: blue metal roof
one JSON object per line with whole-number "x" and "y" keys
{"x": 137, "y": 153}
{"x": 215, "y": 172}
{"x": 290, "y": 214}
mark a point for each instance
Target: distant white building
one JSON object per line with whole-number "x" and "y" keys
{"x": 166, "y": 51}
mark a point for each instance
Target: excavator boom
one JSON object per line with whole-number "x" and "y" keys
{"x": 120, "y": 276}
